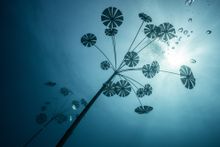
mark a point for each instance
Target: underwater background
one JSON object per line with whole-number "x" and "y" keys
{"x": 40, "y": 40}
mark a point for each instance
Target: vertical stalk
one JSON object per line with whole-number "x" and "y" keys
{"x": 114, "y": 47}
{"x": 69, "y": 131}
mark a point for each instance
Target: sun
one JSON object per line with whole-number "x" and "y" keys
{"x": 176, "y": 58}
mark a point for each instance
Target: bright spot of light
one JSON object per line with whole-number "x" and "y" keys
{"x": 176, "y": 58}
{"x": 73, "y": 107}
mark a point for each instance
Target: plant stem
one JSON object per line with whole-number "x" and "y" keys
{"x": 39, "y": 131}
{"x": 130, "y": 69}
{"x": 132, "y": 42}
{"x": 139, "y": 43}
{"x": 135, "y": 36}
{"x": 105, "y": 56}
{"x": 69, "y": 131}
{"x": 132, "y": 79}
{"x": 146, "y": 45}
{"x": 132, "y": 88}
{"x": 129, "y": 81}
{"x": 170, "y": 72}
{"x": 114, "y": 47}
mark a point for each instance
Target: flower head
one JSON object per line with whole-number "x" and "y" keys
{"x": 131, "y": 59}
{"x": 123, "y": 88}
{"x": 145, "y": 17}
{"x": 112, "y": 17}
{"x": 88, "y": 40}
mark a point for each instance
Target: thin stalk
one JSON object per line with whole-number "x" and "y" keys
{"x": 69, "y": 131}
{"x": 170, "y": 72}
{"x": 135, "y": 36}
{"x": 131, "y": 79}
{"x": 132, "y": 88}
{"x": 139, "y": 43}
{"x": 121, "y": 67}
{"x": 146, "y": 45}
{"x": 130, "y": 69}
{"x": 115, "y": 54}
{"x": 132, "y": 42}
{"x": 128, "y": 80}
{"x": 105, "y": 56}
{"x": 39, "y": 131}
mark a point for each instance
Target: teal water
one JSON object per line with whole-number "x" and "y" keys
{"x": 41, "y": 42}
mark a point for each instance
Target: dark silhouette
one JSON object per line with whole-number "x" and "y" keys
{"x": 112, "y": 18}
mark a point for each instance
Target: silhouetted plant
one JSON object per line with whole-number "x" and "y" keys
{"x": 140, "y": 92}
{"x": 167, "y": 31}
{"x": 143, "y": 109}
{"x": 151, "y": 31}
{"x": 123, "y": 85}
{"x": 109, "y": 89}
{"x": 123, "y": 88}
{"x": 105, "y": 65}
{"x": 145, "y": 17}
{"x": 61, "y": 115}
{"x": 112, "y": 17}
{"x": 111, "y": 32}
{"x": 88, "y": 40}
{"x": 187, "y": 77}
{"x": 131, "y": 59}
{"x": 148, "y": 89}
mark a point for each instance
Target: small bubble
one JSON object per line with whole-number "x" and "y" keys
{"x": 208, "y": 32}
{"x": 177, "y": 42}
{"x": 188, "y": 35}
{"x": 190, "y": 20}
{"x": 180, "y": 30}
{"x": 192, "y": 60}
{"x": 185, "y": 32}
{"x": 173, "y": 47}
{"x": 191, "y": 31}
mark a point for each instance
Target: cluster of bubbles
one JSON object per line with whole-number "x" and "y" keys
{"x": 189, "y": 3}
{"x": 182, "y": 33}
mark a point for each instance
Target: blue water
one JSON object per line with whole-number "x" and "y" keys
{"x": 41, "y": 42}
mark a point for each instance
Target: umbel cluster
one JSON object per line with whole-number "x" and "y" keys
{"x": 121, "y": 84}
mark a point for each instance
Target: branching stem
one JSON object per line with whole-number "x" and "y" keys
{"x": 115, "y": 53}
{"x": 132, "y": 87}
{"x": 146, "y": 45}
{"x": 132, "y": 43}
{"x": 139, "y": 43}
{"x": 169, "y": 72}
